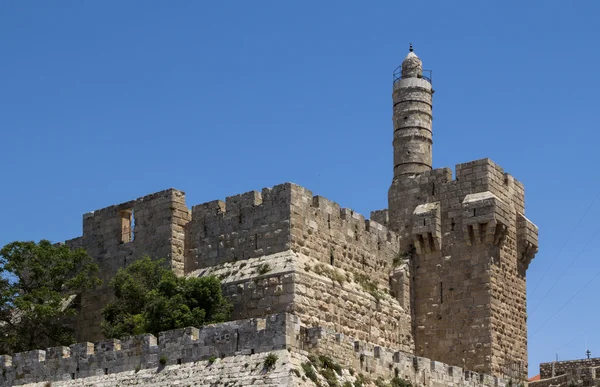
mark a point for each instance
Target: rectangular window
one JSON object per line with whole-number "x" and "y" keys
{"x": 127, "y": 225}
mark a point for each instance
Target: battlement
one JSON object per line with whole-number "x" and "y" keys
{"x": 380, "y": 361}
{"x": 276, "y": 219}
{"x": 557, "y": 368}
{"x": 273, "y": 333}
{"x": 179, "y": 346}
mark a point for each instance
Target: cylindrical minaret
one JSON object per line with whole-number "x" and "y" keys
{"x": 412, "y": 94}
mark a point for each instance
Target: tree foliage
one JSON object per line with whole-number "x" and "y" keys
{"x": 150, "y": 298}
{"x": 36, "y": 280}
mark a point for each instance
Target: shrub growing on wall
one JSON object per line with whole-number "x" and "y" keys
{"x": 150, "y": 298}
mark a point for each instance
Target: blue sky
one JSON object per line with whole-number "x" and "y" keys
{"x": 103, "y": 102}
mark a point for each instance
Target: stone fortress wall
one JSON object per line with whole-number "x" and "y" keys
{"x": 440, "y": 274}
{"x": 117, "y": 235}
{"x": 137, "y": 359}
{"x": 288, "y": 217}
{"x": 557, "y": 368}
{"x": 272, "y": 227}
{"x": 582, "y": 372}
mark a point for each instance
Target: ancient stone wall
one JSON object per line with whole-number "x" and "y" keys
{"x": 320, "y": 294}
{"x": 378, "y": 361}
{"x": 228, "y": 236}
{"x": 254, "y": 241}
{"x": 248, "y": 225}
{"x": 227, "y": 353}
{"x": 556, "y": 368}
{"x": 288, "y": 217}
{"x": 470, "y": 245}
{"x": 179, "y": 346}
{"x": 341, "y": 237}
{"x": 117, "y": 235}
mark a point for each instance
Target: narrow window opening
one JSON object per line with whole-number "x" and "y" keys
{"x": 356, "y": 232}
{"x": 255, "y": 241}
{"x": 424, "y": 222}
{"x": 474, "y": 211}
{"x": 433, "y": 189}
{"x": 441, "y": 292}
{"x": 378, "y": 244}
{"x": 106, "y": 371}
{"x": 452, "y": 225}
{"x": 252, "y": 351}
{"x": 72, "y": 376}
{"x": 127, "y": 225}
{"x": 331, "y": 259}
{"x": 178, "y": 361}
{"x": 240, "y": 218}
{"x": 132, "y": 235}
{"x": 329, "y": 221}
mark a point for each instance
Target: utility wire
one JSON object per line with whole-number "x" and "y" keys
{"x": 567, "y": 303}
{"x": 565, "y": 244}
{"x": 567, "y": 269}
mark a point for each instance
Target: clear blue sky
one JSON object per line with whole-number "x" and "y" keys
{"x": 103, "y": 102}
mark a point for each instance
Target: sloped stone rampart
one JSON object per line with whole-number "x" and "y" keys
{"x": 318, "y": 293}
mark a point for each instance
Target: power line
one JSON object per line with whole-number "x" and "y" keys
{"x": 566, "y": 303}
{"x": 565, "y": 244}
{"x": 567, "y": 269}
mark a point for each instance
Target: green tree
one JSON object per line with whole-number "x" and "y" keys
{"x": 37, "y": 281}
{"x": 150, "y": 298}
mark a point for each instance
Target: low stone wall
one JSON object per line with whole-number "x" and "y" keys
{"x": 556, "y": 381}
{"x": 555, "y": 368}
{"x": 376, "y": 361}
{"x": 134, "y": 353}
{"x": 237, "y": 351}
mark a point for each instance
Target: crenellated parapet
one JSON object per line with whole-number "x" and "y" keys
{"x": 380, "y": 361}
{"x": 287, "y": 217}
{"x": 243, "y": 226}
{"x": 133, "y": 353}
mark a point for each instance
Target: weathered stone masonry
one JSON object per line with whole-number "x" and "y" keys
{"x": 469, "y": 240}
{"x": 440, "y": 273}
{"x": 238, "y": 350}
{"x": 284, "y": 218}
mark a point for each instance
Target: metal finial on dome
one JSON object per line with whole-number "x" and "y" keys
{"x": 410, "y": 48}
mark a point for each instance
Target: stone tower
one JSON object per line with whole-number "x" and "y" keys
{"x": 468, "y": 241}
{"x": 412, "y": 118}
